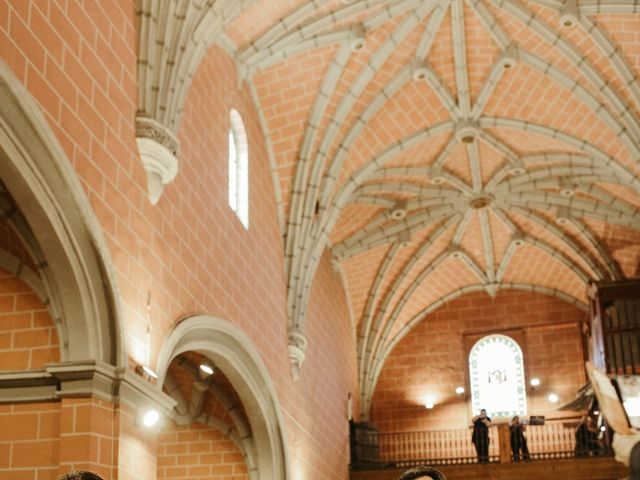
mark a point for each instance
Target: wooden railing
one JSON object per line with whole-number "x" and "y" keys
{"x": 436, "y": 447}
{"x": 553, "y": 440}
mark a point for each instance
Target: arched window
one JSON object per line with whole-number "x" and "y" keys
{"x": 496, "y": 371}
{"x": 238, "y": 168}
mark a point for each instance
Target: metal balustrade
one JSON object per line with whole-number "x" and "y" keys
{"x": 555, "y": 439}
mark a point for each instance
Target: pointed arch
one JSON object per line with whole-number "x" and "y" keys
{"x": 73, "y": 260}
{"x": 235, "y": 354}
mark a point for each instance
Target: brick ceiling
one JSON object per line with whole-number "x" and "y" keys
{"x": 442, "y": 147}
{"x": 432, "y": 147}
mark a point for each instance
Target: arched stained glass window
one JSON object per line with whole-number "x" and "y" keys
{"x": 238, "y": 168}
{"x": 496, "y": 371}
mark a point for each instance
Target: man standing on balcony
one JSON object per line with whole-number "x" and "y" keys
{"x": 518, "y": 440}
{"x": 480, "y": 435}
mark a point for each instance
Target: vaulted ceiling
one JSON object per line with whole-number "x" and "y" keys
{"x": 434, "y": 147}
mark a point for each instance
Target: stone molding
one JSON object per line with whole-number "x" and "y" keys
{"x": 84, "y": 379}
{"x": 74, "y": 261}
{"x": 150, "y": 129}
{"x": 233, "y": 351}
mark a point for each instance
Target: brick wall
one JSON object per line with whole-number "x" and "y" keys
{"x": 29, "y": 441}
{"x": 28, "y": 337}
{"x": 329, "y": 374}
{"x": 87, "y": 435}
{"x": 42, "y": 440}
{"x": 189, "y": 253}
{"x": 198, "y": 452}
{"x": 433, "y": 359}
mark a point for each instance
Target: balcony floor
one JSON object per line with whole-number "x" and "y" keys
{"x": 597, "y": 468}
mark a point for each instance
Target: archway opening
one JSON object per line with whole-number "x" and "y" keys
{"x": 209, "y": 436}
{"x": 243, "y": 381}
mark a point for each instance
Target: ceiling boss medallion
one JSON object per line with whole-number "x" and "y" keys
{"x": 479, "y": 202}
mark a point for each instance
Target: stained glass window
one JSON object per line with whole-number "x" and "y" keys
{"x": 496, "y": 371}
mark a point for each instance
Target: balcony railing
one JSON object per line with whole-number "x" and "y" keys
{"x": 556, "y": 439}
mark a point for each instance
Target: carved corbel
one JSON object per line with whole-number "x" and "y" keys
{"x": 158, "y": 149}
{"x": 297, "y": 352}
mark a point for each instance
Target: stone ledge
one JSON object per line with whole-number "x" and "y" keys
{"x": 80, "y": 380}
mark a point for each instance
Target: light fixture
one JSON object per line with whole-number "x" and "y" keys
{"x": 206, "y": 369}
{"x": 535, "y": 382}
{"x": 603, "y": 428}
{"x": 144, "y": 370}
{"x": 553, "y": 398}
{"x": 150, "y": 418}
{"x": 596, "y": 412}
{"x": 460, "y": 390}
{"x": 428, "y": 405}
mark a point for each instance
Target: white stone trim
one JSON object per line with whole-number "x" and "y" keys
{"x": 43, "y": 183}
{"x": 160, "y": 164}
{"x": 84, "y": 379}
{"x": 234, "y": 353}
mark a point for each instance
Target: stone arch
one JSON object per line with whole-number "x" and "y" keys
{"x": 234, "y": 353}
{"x": 73, "y": 261}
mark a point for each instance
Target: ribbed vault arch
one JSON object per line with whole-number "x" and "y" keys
{"x": 482, "y": 186}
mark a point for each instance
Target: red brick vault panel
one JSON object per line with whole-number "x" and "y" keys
{"x": 28, "y": 337}
{"x": 432, "y": 359}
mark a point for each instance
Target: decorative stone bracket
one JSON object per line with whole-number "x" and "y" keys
{"x": 297, "y": 352}
{"x": 158, "y": 149}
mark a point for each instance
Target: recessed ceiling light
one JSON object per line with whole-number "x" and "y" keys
{"x": 535, "y": 382}
{"x": 553, "y": 398}
{"x": 206, "y": 368}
